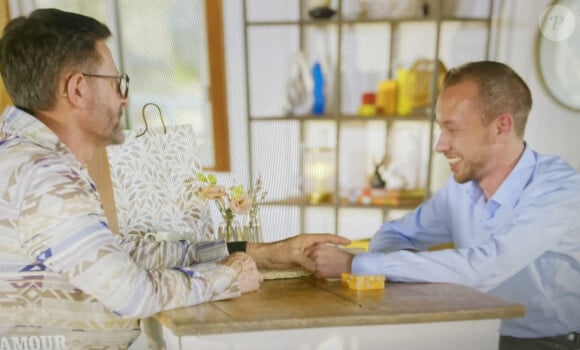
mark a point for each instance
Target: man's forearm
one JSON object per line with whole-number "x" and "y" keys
{"x": 261, "y": 253}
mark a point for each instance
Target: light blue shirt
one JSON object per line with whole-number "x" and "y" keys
{"x": 522, "y": 245}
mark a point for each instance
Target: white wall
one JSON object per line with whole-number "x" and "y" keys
{"x": 551, "y": 128}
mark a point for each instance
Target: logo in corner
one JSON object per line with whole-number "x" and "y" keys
{"x": 557, "y": 23}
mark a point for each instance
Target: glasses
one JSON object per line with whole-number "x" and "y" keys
{"x": 122, "y": 81}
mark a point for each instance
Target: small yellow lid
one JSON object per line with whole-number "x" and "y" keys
{"x": 360, "y": 282}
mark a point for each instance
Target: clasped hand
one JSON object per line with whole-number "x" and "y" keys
{"x": 249, "y": 278}
{"x": 330, "y": 260}
{"x": 309, "y": 251}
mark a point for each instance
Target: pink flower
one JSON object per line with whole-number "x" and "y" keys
{"x": 212, "y": 192}
{"x": 241, "y": 204}
{"x": 231, "y": 201}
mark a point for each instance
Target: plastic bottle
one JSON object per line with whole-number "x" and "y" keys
{"x": 405, "y": 83}
{"x": 318, "y": 77}
{"x": 387, "y": 97}
{"x": 368, "y": 107}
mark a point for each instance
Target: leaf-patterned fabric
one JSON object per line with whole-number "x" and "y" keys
{"x": 149, "y": 176}
{"x": 62, "y": 270}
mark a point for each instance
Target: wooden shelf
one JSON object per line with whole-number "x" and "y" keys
{"x": 344, "y": 202}
{"x": 354, "y": 21}
{"x": 345, "y": 117}
{"x": 341, "y": 126}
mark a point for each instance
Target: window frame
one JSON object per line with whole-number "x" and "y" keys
{"x": 217, "y": 87}
{"x": 217, "y": 97}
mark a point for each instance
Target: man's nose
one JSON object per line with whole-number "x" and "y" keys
{"x": 441, "y": 145}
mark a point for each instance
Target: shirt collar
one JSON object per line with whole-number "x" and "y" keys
{"x": 20, "y": 124}
{"x": 509, "y": 191}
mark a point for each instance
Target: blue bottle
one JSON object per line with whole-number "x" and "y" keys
{"x": 318, "y": 77}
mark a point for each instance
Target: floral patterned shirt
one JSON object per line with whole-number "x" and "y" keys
{"x": 62, "y": 270}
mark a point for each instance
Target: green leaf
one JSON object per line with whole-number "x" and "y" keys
{"x": 212, "y": 179}
{"x": 201, "y": 177}
{"x": 237, "y": 191}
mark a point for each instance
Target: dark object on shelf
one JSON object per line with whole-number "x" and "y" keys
{"x": 321, "y": 12}
{"x": 377, "y": 181}
{"x": 425, "y": 9}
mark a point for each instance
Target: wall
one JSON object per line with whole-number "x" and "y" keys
{"x": 551, "y": 128}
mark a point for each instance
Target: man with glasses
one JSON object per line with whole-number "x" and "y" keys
{"x": 62, "y": 271}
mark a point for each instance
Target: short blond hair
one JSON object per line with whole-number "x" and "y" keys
{"x": 500, "y": 90}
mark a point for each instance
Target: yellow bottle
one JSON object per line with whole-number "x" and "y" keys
{"x": 405, "y": 83}
{"x": 387, "y": 97}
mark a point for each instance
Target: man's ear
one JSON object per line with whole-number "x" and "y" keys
{"x": 76, "y": 90}
{"x": 504, "y": 124}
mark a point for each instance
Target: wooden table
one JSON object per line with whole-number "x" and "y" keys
{"x": 306, "y": 313}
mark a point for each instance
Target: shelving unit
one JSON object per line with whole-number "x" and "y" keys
{"x": 279, "y": 144}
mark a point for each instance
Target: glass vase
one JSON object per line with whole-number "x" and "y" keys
{"x": 230, "y": 230}
{"x": 253, "y": 229}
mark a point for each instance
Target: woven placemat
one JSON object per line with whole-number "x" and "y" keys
{"x": 288, "y": 273}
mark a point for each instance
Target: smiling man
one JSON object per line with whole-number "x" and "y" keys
{"x": 511, "y": 213}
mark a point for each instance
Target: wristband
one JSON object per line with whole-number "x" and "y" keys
{"x": 237, "y": 247}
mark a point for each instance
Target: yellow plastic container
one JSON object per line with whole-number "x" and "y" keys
{"x": 360, "y": 282}
{"x": 405, "y": 91}
{"x": 361, "y": 244}
{"x": 387, "y": 97}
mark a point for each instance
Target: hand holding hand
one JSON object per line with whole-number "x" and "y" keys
{"x": 291, "y": 252}
{"x": 330, "y": 260}
{"x": 246, "y": 270}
